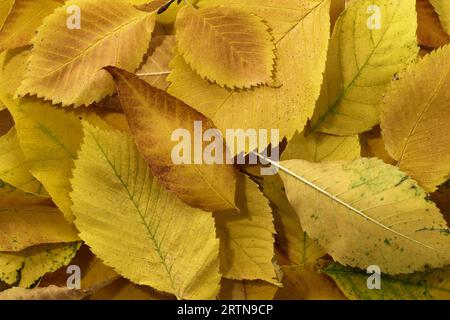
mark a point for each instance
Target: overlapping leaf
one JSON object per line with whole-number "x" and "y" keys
{"x": 66, "y": 64}
{"x": 415, "y": 119}
{"x": 154, "y": 116}
{"x": 135, "y": 226}
{"x": 362, "y": 60}
{"x": 368, "y": 213}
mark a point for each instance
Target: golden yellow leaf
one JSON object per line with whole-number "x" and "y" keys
{"x": 28, "y": 226}
{"x": 442, "y": 7}
{"x": 225, "y": 45}
{"x": 23, "y": 20}
{"x": 168, "y": 246}
{"x": 66, "y": 64}
{"x": 415, "y": 120}
{"x": 361, "y": 62}
{"x": 13, "y": 166}
{"x": 430, "y": 30}
{"x": 154, "y": 116}
{"x": 156, "y": 69}
{"x": 366, "y": 212}
{"x": 247, "y": 238}
{"x": 25, "y": 268}
{"x": 303, "y": 282}
{"x": 433, "y": 284}
{"x": 247, "y": 290}
{"x": 294, "y": 24}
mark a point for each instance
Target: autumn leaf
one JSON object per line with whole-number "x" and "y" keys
{"x": 247, "y": 290}
{"x": 215, "y": 183}
{"x": 231, "y": 47}
{"x": 299, "y": 72}
{"x": 23, "y": 20}
{"x": 361, "y": 62}
{"x": 373, "y": 214}
{"x": 66, "y": 64}
{"x": 247, "y": 237}
{"x": 415, "y": 115}
{"x": 170, "y": 246}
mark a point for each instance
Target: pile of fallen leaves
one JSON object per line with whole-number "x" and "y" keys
{"x": 92, "y": 204}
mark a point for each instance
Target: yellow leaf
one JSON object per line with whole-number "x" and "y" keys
{"x": 442, "y": 7}
{"x": 415, "y": 120}
{"x": 366, "y": 212}
{"x": 168, "y": 246}
{"x": 24, "y": 18}
{"x": 154, "y": 116}
{"x": 432, "y": 284}
{"x": 13, "y": 166}
{"x": 156, "y": 69}
{"x": 303, "y": 282}
{"x": 225, "y": 45}
{"x": 247, "y": 290}
{"x": 295, "y": 25}
{"x": 26, "y": 267}
{"x": 247, "y": 238}
{"x": 66, "y": 64}
{"x": 28, "y": 226}
{"x": 430, "y": 30}
{"x": 362, "y": 61}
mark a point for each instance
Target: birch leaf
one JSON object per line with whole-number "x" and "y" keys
{"x": 415, "y": 118}
{"x": 247, "y": 238}
{"x": 169, "y": 246}
{"x": 13, "y": 166}
{"x": 66, "y": 64}
{"x": 11, "y": 197}
{"x": 25, "y": 227}
{"x": 361, "y": 62}
{"x": 442, "y": 7}
{"x": 25, "y": 268}
{"x": 428, "y": 285}
{"x": 430, "y": 31}
{"x": 214, "y": 183}
{"x": 230, "y": 47}
{"x": 368, "y": 213}
{"x": 23, "y": 20}
{"x": 299, "y": 71}
{"x": 156, "y": 69}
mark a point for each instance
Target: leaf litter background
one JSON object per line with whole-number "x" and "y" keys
{"x": 86, "y": 176}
